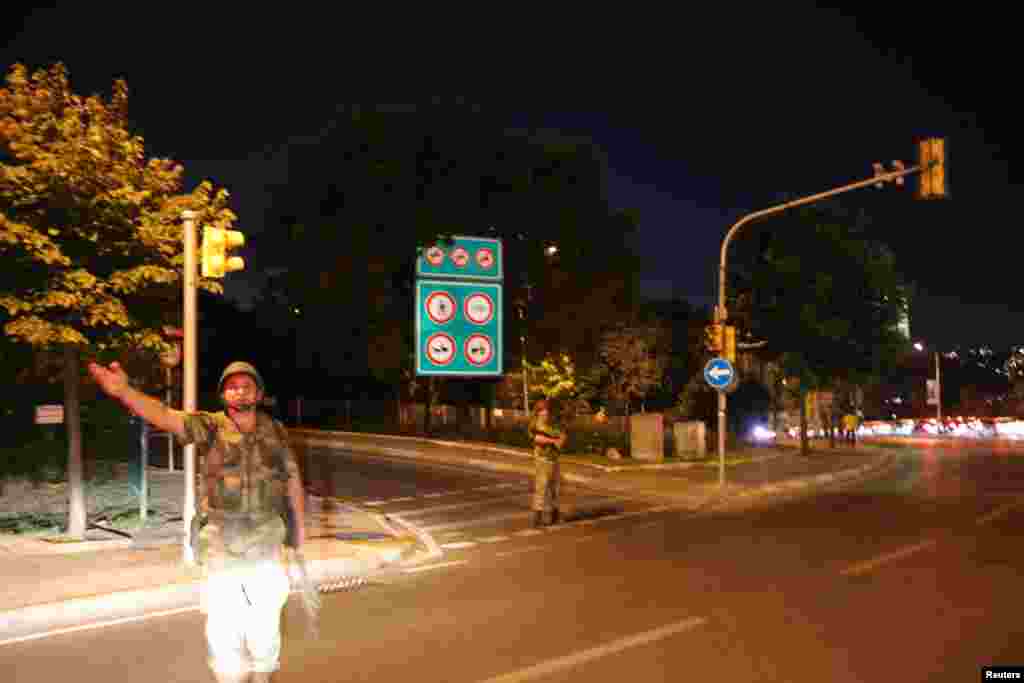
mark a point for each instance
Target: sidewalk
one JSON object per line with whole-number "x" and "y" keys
{"x": 46, "y": 584}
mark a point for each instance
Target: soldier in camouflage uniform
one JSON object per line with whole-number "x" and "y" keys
{"x": 248, "y": 479}
{"x": 548, "y": 440}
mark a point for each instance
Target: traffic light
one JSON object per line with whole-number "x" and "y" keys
{"x": 933, "y": 158}
{"x": 729, "y": 344}
{"x": 713, "y": 337}
{"x": 216, "y": 243}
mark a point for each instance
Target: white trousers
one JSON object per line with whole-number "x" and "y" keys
{"x": 243, "y": 618}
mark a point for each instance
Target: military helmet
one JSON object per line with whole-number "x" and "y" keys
{"x": 240, "y": 368}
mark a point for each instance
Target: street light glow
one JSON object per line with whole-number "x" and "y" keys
{"x": 918, "y": 346}
{"x": 552, "y": 250}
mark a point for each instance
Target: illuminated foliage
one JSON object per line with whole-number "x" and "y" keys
{"x": 89, "y": 227}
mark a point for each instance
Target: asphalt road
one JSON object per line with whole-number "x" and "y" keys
{"x": 914, "y": 576}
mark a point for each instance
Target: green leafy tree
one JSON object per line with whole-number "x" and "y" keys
{"x": 826, "y": 298}
{"x": 632, "y": 362}
{"x": 90, "y": 232}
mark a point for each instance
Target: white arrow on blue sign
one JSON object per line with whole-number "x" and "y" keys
{"x": 719, "y": 373}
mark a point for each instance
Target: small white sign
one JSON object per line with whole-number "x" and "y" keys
{"x": 50, "y": 415}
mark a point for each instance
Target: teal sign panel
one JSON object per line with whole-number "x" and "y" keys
{"x": 475, "y": 258}
{"x": 458, "y": 328}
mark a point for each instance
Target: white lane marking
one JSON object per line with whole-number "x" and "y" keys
{"x": 99, "y": 624}
{"x": 428, "y": 567}
{"x": 868, "y": 565}
{"x": 458, "y": 545}
{"x": 529, "y": 532}
{"x": 404, "y": 499}
{"x": 553, "y": 665}
{"x": 436, "y": 495}
{"x": 493, "y": 539}
{"x": 520, "y": 551}
{"x": 460, "y": 506}
{"x": 999, "y": 512}
{"x": 374, "y": 503}
{"x": 482, "y": 521}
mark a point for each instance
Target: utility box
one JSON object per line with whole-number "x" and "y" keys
{"x": 691, "y": 440}
{"x": 647, "y": 437}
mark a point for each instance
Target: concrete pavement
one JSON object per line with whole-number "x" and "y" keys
{"x": 48, "y": 587}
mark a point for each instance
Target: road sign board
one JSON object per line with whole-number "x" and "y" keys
{"x": 478, "y": 308}
{"x": 440, "y": 349}
{"x": 477, "y": 258}
{"x": 468, "y": 343}
{"x": 719, "y": 373}
{"x": 479, "y": 350}
{"x": 440, "y": 307}
{"x": 49, "y": 415}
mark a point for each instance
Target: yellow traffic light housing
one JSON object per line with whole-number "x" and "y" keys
{"x": 216, "y": 243}
{"x": 713, "y": 337}
{"x": 933, "y": 158}
{"x": 729, "y": 344}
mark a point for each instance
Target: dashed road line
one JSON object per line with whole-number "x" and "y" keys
{"x": 429, "y": 567}
{"x": 876, "y": 562}
{"x": 458, "y": 545}
{"x": 577, "y": 658}
{"x": 998, "y": 513}
{"x": 493, "y": 539}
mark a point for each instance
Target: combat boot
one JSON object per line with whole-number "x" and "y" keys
{"x": 538, "y": 519}
{"x": 554, "y": 516}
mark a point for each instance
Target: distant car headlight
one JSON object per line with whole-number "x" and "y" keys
{"x": 762, "y": 434}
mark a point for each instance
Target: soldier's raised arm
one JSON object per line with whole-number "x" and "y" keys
{"x": 114, "y": 382}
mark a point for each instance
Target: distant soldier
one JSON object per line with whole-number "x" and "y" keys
{"x": 548, "y": 439}
{"x": 850, "y": 427}
{"x": 250, "y": 487}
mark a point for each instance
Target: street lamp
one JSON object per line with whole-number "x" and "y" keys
{"x": 938, "y": 384}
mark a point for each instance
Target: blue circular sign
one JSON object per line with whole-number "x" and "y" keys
{"x": 719, "y": 373}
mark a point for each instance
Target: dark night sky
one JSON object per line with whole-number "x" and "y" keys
{"x": 702, "y": 118}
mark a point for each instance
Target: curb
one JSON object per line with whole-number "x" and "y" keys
{"x": 766, "y": 489}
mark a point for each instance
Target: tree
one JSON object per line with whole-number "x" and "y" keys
{"x": 827, "y": 299}
{"x": 90, "y": 232}
{"x": 632, "y": 362}
{"x": 403, "y": 177}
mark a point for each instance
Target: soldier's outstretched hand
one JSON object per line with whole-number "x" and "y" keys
{"x": 113, "y": 380}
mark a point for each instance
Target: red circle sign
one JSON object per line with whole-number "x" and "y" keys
{"x": 478, "y": 349}
{"x": 460, "y": 257}
{"x": 479, "y": 308}
{"x": 440, "y": 348}
{"x": 485, "y": 258}
{"x": 435, "y": 256}
{"x": 440, "y": 307}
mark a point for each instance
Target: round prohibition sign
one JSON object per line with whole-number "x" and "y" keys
{"x": 485, "y": 258}
{"x": 435, "y": 256}
{"x": 460, "y": 257}
{"x": 478, "y": 349}
{"x": 479, "y": 308}
{"x": 440, "y": 348}
{"x": 440, "y": 307}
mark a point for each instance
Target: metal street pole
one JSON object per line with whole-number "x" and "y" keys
{"x": 170, "y": 404}
{"x": 722, "y": 315}
{"x": 189, "y": 376}
{"x": 938, "y": 391}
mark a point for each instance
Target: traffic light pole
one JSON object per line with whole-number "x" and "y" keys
{"x": 189, "y": 376}
{"x": 722, "y": 315}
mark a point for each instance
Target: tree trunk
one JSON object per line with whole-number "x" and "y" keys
{"x": 76, "y": 518}
{"x": 804, "y": 446}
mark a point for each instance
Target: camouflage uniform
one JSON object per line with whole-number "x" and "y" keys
{"x": 546, "y": 471}
{"x": 240, "y": 545}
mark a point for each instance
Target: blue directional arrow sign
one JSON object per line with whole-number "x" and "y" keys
{"x": 719, "y": 373}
